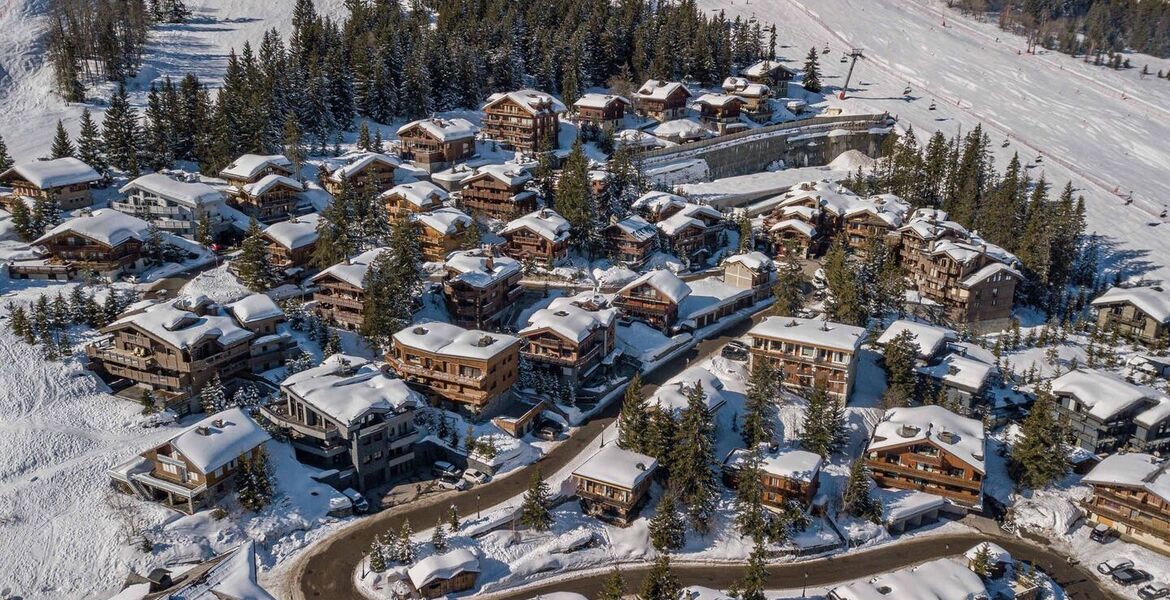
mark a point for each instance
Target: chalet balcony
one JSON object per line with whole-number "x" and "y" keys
{"x": 152, "y": 379}
{"x": 425, "y": 156}
{"x": 278, "y": 414}
{"x": 108, "y": 354}
{"x": 404, "y": 367}
{"x": 880, "y": 468}
{"x": 617, "y": 500}
{"x": 336, "y": 300}
{"x": 1128, "y": 516}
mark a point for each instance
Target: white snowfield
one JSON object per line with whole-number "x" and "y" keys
{"x": 1103, "y": 129}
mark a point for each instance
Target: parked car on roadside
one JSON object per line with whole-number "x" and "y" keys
{"x": 1103, "y": 534}
{"x": 1154, "y": 590}
{"x": 1130, "y": 576}
{"x": 453, "y": 482}
{"x": 443, "y": 468}
{"x": 360, "y": 504}
{"x": 476, "y": 476}
{"x": 735, "y": 350}
{"x": 1114, "y": 564}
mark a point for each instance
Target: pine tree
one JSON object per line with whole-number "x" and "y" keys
{"x": 981, "y": 563}
{"x": 254, "y": 481}
{"x": 614, "y": 586}
{"x": 403, "y": 549}
{"x": 1038, "y": 457}
{"x": 900, "y": 356}
{"x": 5, "y": 158}
{"x": 812, "y": 71}
{"x": 667, "y": 528}
{"x": 634, "y": 418}
{"x": 22, "y": 221}
{"x": 453, "y": 518}
{"x": 693, "y": 467}
{"x": 659, "y": 440}
{"x": 750, "y": 516}
{"x": 534, "y": 512}
{"x": 439, "y": 537}
{"x": 660, "y": 582}
{"x": 253, "y": 265}
{"x": 211, "y": 397}
{"x": 790, "y": 283}
{"x": 378, "y": 555}
{"x": 761, "y": 392}
{"x": 203, "y": 232}
{"x": 755, "y": 576}
{"x": 574, "y": 196}
{"x": 857, "y": 499}
{"x": 846, "y": 304}
{"x": 823, "y": 428}
{"x": 62, "y": 147}
{"x": 120, "y": 133}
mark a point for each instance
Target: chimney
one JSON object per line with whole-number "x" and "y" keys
{"x": 220, "y": 423}
{"x": 947, "y": 436}
{"x": 201, "y": 430}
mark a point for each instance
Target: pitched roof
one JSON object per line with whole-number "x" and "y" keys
{"x": 444, "y": 220}
{"x": 47, "y": 174}
{"x": 295, "y": 233}
{"x": 268, "y": 182}
{"x": 617, "y": 466}
{"x": 249, "y": 166}
{"x": 718, "y": 99}
{"x": 762, "y": 68}
{"x": 354, "y": 270}
{"x": 962, "y": 437}
{"x": 928, "y": 338}
{"x": 418, "y": 193}
{"x": 360, "y": 162}
{"x": 345, "y": 388}
{"x": 599, "y": 100}
{"x": 509, "y": 174}
{"x": 569, "y": 321}
{"x": 255, "y": 307}
{"x": 636, "y": 227}
{"x": 672, "y": 395}
{"x": 656, "y": 89}
{"x": 106, "y": 226}
{"x": 667, "y": 283}
{"x": 171, "y": 322}
{"x": 219, "y": 439}
{"x": 444, "y": 130}
{"x": 451, "y": 340}
{"x": 754, "y": 260}
{"x": 442, "y": 566}
{"x": 939, "y": 579}
{"x": 1104, "y": 394}
{"x": 1153, "y": 300}
{"x": 533, "y": 101}
{"x": 544, "y": 222}
{"x": 837, "y": 336}
{"x": 181, "y": 192}
{"x": 472, "y": 267}
{"x": 1134, "y": 470}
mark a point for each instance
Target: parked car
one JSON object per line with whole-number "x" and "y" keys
{"x": 1154, "y": 590}
{"x": 443, "y": 468}
{"x": 476, "y": 476}
{"x": 453, "y": 482}
{"x": 735, "y": 350}
{"x": 360, "y": 504}
{"x": 1130, "y": 576}
{"x": 1103, "y": 534}
{"x": 1114, "y": 564}
{"x": 547, "y": 429}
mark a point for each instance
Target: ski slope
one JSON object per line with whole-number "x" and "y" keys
{"x": 28, "y": 107}
{"x": 1105, "y": 130}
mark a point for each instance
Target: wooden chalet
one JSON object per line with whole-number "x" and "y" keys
{"x": 541, "y": 236}
{"x": 524, "y": 120}
{"x": 436, "y": 143}
{"x": 66, "y": 180}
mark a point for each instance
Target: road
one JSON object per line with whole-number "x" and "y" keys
{"x": 1077, "y": 582}
{"x": 325, "y": 571}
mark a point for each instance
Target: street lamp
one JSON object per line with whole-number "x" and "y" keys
{"x": 364, "y": 564}
{"x": 804, "y": 590}
{"x": 477, "y": 507}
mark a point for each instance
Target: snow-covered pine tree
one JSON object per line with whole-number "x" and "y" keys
{"x": 439, "y": 537}
{"x": 5, "y": 158}
{"x": 693, "y": 467}
{"x": 453, "y": 518}
{"x": 534, "y": 511}
{"x": 211, "y": 397}
{"x": 378, "y": 555}
{"x": 403, "y": 549}
{"x": 120, "y": 133}
{"x": 62, "y": 146}
{"x": 614, "y": 586}
{"x": 762, "y": 391}
{"x": 574, "y": 195}
{"x": 634, "y": 418}
{"x": 812, "y": 71}
{"x": 901, "y": 353}
{"x": 981, "y": 563}
{"x": 1038, "y": 457}
{"x": 255, "y": 485}
{"x": 751, "y": 519}
{"x": 755, "y": 575}
{"x": 253, "y": 264}
{"x": 660, "y": 582}
{"x": 667, "y": 528}
{"x": 823, "y": 428}
{"x": 857, "y": 498}
{"x": 246, "y": 395}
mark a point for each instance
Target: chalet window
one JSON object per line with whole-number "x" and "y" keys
{"x": 169, "y": 468}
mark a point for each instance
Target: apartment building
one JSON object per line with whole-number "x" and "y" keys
{"x": 570, "y": 340}
{"x": 613, "y": 483}
{"x": 524, "y": 120}
{"x": 786, "y": 475}
{"x": 929, "y": 449}
{"x": 173, "y": 206}
{"x": 341, "y": 290}
{"x": 808, "y": 351}
{"x": 441, "y": 232}
{"x": 194, "y": 469}
{"x": 105, "y": 242}
{"x": 352, "y": 415}
{"x": 436, "y": 143}
{"x": 173, "y": 348}
{"x": 654, "y": 298}
{"x": 456, "y": 367}
{"x": 541, "y": 236}
{"x": 1131, "y": 493}
{"x": 67, "y": 180}
{"x": 1105, "y": 413}
{"x": 661, "y": 100}
{"x": 479, "y": 287}
{"x": 602, "y": 110}
{"x": 498, "y": 192}
{"x": 1140, "y": 312}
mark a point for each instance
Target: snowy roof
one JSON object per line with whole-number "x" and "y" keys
{"x": 679, "y": 222}
{"x": 798, "y": 465}
{"x": 698, "y": 592}
{"x": 763, "y": 68}
{"x": 187, "y": 194}
{"x": 797, "y": 225}
{"x": 718, "y": 99}
{"x": 345, "y": 388}
{"x": 471, "y": 267}
{"x": 1104, "y": 394}
{"x": 418, "y": 193}
{"x": 657, "y": 201}
{"x": 233, "y": 576}
{"x": 354, "y": 270}
{"x": 988, "y": 271}
{"x": 960, "y": 436}
{"x": 445, "y": 220}
{"x": 1153, "y": 300}
{"x": 47, "y": 174}
{"x": 742, "y": 87}
{"x": 106, "y": 226}
{"x": 450, "y": 340}
{"x": 754, "y": 260}
{"x": 656, "y": 89}
{"x": 681, "y": 128}
{"x": 533, "y": 101}
{"x": 693, "y": 209}
{"x": 933, "y": 224}
{"x": 569, "y": 321}
{"x": 668, "y": 284}
{"x": 444, "y": 130}
{"x": 171, "y": 322}
{"x": 817, "y": 332}
{"x": 359, "y": 163}
{"x": 617, "y": 466}
{"x": 295, "y": 233}
{"x": 510, "y": 174}
{"x": 544, "y": 222}
{"x": 219, "y": 439}
{"x": 268, "y": 182}
{"x": 256, "y": 307}
{"x": 708, "y": 294}
{"x": 939, "y": 579}
{"x": 598, "y": 100}
{"x": 672, "y": 395}
{"x": 249, "y": 166}
{"x": 965, "y": 251}
{"x": 842, "y": 202}
{"x": 929, "y": 338}
{"x": 1135, "y": 470}
{"x": 636, "y": 227}
{"x": 998, "y": 554}
{"x": 442, "y": 566}
{"x": 960, "y": 371}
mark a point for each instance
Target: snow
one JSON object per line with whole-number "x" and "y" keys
{"x": 570, "y": 321}
{"x": 816, "y": 332}
{"x": 419, "y": 193}
{"x": 268, "y": 182}
{"x": 1104, "y": 394}
{"x": 657, "y": 202}
{"x": 533, "y": 101}
{"x": 478, "y": 268}
{"x": 959, "y": 436}
{"x": 672, "y": 395}
{"x": 754, "y": 260}
{"x": 445, "y": 220}
{"x": 47, "y": 174}
{"x": 544, "y": 222}
{"x": 359, "y": 162}
{"x": 442, "y": 566}
{"x": 172, "y": 323}
{"x": 928, "y": 338}
{"x": 256, "y": 307}
{"x": 510, "y": 174}
{"x": 998, "y": 554}
{"x": 446, "y": 339}
{"x": 106, "y": 226}
{"x": 354, "y": 270}
{"x": 939, "y": 579}
{"x": 617, "y": 466}
{"x": 681, "y": 129}
{"x": 219, "y": 439}
{"x": 345, "y": 388}
{"x": 718, "y": 99}
{"x": 666, "y": 283}
{"x": 636, "y": 228}
{"x": 708, "y": 295}
{"x": 248, "y": 166}
{"x": 677, "y": 223}
{"x": 655, "y": 89}
{"x": 295, "y": 233}
{"x": 797, "y": 225}
{"x": 991, "y": 270}
{"x": 762, "y": 68}
{"x": 1132, "y": 470}
{"x": 181, "y": 192}
{"x": 443, "y": 130}
{"x": 1154, "y": 301}
{"x": 598, "y": 101}
{"x": 797, "y": 465}
{"x": 957, "y": 370}
{"x": 219, "y": 284}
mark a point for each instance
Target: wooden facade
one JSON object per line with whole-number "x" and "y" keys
{"x": 479, "y": 288}
{"x": 541, "y": 236}
{"x": 371, "y": 168}
{"x": 661, "y": 100}
{"x": 66, "y": 180}
{"x": 339, "y": 301}
{"x": 631, "y": 241}
{"x": 498, "y": 192}
{"x": 569, "y": 341}
{"x": 251, "y": 168}
{"x": 473, "y": 380}
{"x": 271, "y": 199}
{"x": 614, "y": 483}
{"x": 602, "y": 110}
{"x": 435, "y": 144}
{"x": 926, "y": 467}
{"x": 523, "y": 120}
{"x": 648, "y": 303}
{"x": 790, "y": 343}
{"x": 1125, "y": 498}
{"x": 86, "y": 253}
{"x": 1141, "y": 313}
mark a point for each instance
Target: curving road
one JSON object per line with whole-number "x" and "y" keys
{"x": 1077, "y": 582}
{"x": 326, "y": 569}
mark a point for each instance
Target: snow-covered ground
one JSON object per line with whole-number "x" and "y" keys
{"x": 1104, "y": 129}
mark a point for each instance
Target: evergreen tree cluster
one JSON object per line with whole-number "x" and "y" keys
{"x": 95, "y": 40}
{"x": 823, "y": 428}
{"x": 1089, "y": 27}
{"x": 47, "y": 320}
{"x": 254, "y": 482}
{"x": 1038, "y": 458}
